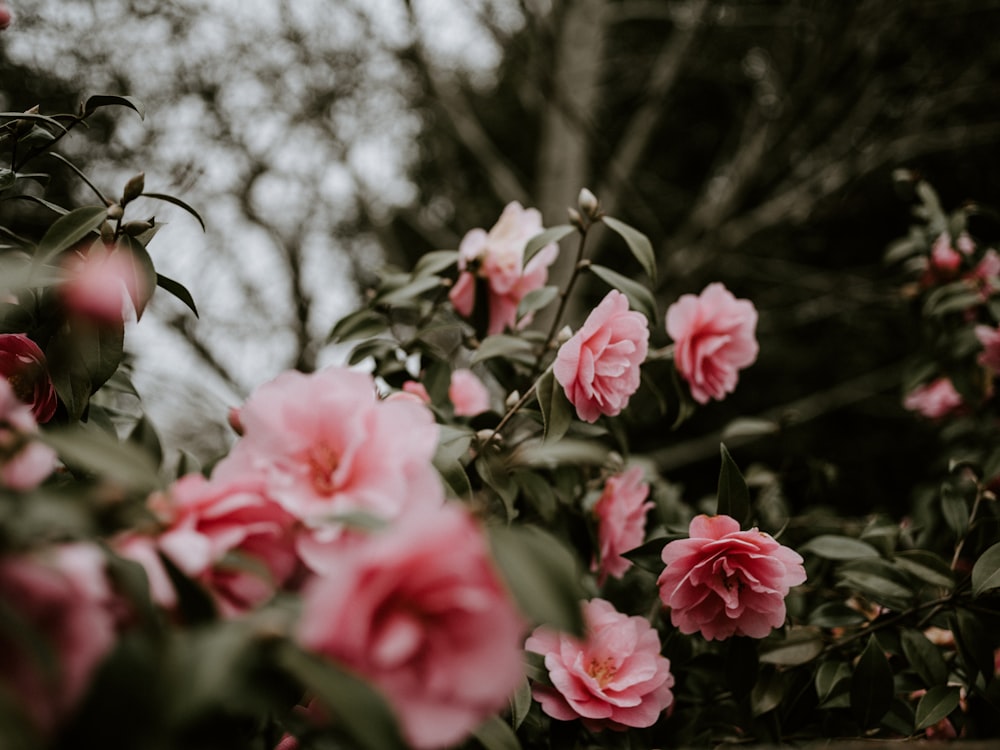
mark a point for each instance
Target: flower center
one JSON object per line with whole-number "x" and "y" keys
{"x": 602, "y": 670}
{"x": 323, "y": 463}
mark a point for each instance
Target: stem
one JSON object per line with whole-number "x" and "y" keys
{"x": 935, "y": 604}
{"x": 528, "y": 394}
{"x": 578, "y": 266}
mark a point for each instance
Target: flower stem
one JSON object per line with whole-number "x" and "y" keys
{"x": 578, "y": 266}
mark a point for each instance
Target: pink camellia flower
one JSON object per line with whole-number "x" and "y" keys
{"x": 989, "y": 357}
{"x": 614, "y": 679}
{"x": 935, "y": 399}
{"x": 598, "y": 367}
{"x": 143, "y": 549}
{"x": 229, "y": 535}
{"x": 497, "y": 257}
{"x": 24, "y": 462}
{"x": 986, "y": 273}
{"x": 621, "y": 521}
{"x": 419, "y": 610}
{"x": 945, "y": 259}
{"x": 5, "y": 17}
{"x": 724, "y": 582}
{"x": 23, "y": 365}
{"x": 468, "y": 394}
{"x": 327, "y": 447}
{"x": 419, "y": 390}
{"x": 62, "y": 598}
{"x": 715, "y": 337}
{"x": 98, "y": 282}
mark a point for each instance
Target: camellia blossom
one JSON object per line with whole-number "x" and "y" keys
{"x": 598, "y": 367}
{"x": 715, "y": 337}
{"x": 24, "y": 461}
{"x": 23, "y": 365}
{"x": 935, "y": 399}
{"x": 63, "y": 599}
{"x": 5, "y": 17}
{"x": 621, "y": 521}
{"x": 615, "y": 678}
{"x": 468, "y": 394}
{"x": 497, "y": 257}
{"x": 989, "y": 357}
{"x": 724, "y": 582}
{"x": 97, "y": 283}
{"x": 419, "y": 610}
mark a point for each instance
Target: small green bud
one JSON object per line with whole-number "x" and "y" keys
{"x": 107, "y": 233}
{"x": 134, "y": 188}
{"x": 588, "y": 204}
{"x": 115, "y": 212}
{"x": 576, "y": 219}
{"x": 135, "y": 228}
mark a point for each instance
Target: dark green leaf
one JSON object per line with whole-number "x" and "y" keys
{"x": 799, "y": 646}
{"x": 433, "y": 263}
{"x": 143, "y": 434}
{"x": 29, "y": 116}
{"x": 637, "y": 242}
{"x": 566, "y": 451}
{"x": 361, "y": 324}
{"x": 557, "y": 413}
{"x": 502, "y": 345}
{"x": 69, "y": 229}
{"x": 496, "y": 475}
{"x": 520, "y": 703}
{"x": 878, "y": 580}
{"x": 871, "y": 686}
{"x": 7, "y": 178}
{"x": 936, "y": 704}
{"x": 98, "y": 453}
{"x": 986, "y": 571}
{"x": 833, "y": 547}
{"x": 178, "y": 290}
{"x": 42, "y": 202}
{"x": 924, "y": 657}
{"x": 975, "y": 645}
{"x": 733, "y": 493}
{"x": 496, "y": 734}
{"x": 550, "y": 235}
{"x": 536, "y": 299}
{"x": 80, "y": 173}
{"x": 179, "y": 203}
{"x": 768, "y": 691}
{"x": 955, "y": 509}
{"x": 105, "y": 100}
{"x": 835, "y": 615}
{"x": 832, "y": 680}
{"x": 649, "y": 556}
{"x": 638, "y": 296}
{"x": 143, "y": 285}
{"x": 926, "y": 566}
{"x": 409, "y": 292}
{"x": 196, "y": 605}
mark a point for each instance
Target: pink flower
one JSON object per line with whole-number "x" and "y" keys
{"x": 468, "y": 394}
{"x": 715, "y": 338}
{"x": 614, "y": 679}
{"x": 497, "y": 257}
{"x": 944, "y": 258}
{"x": 419, "y": 610}
{"x": 984, "y": 276}
{"x": 24, "y": 462}
{"x": 724, "y": 582}
{"x": 598, "y": 367}
{"x": 414, "y": 388}
{"x": 63, "y": 600}
{"x": 621, "y": 521}
{"x": 229, "y": 535}
{"x": 142, "y": 549}
{"x": 22, "y": 363}
{"x": 326, "y": 446}
{"x": 5, "y": 17}
{"x": 933, "y": 400}
{"x": 989, "y": 357}
{"x": 98, "y": 282}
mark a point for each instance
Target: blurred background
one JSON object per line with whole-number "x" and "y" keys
{"x": 753, "y": 141}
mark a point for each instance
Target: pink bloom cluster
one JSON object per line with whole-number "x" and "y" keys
{"x": 935, "y": 399}
{"x": 621, "y": 521}
{"x": 724, "y": 582}
{"x": 24, "y": 462}
{"x": 615, "y": 678}
{"x": 23, "y": 365}
{"x": 497, "y": 258}
{"x": 598, "y": 367}
{"x": 715, "y": 337}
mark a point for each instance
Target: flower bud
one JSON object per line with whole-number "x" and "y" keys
{"x": 134, "y": 188}
{"x": 24, "y": 126}
{"x": 107, "y": 233}
{"x": 576, "y": 219}
{"x": 135, "y": 228}
{"x": 588, "y": 204}
{"x": 115, "y": 212}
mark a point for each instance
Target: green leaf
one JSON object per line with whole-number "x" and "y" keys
{"x": 878, "y": 580}
{"x": 97, "y": 101}
{"x": 550, "y": 235}
{"x": 178, "y": 290}
{"x": 142, "y": 287}
{"x": 871, "y": 686}
{"x": 536, "y": 299}
{"x": 549, "y": 455}
{"x": 409, "y": 292}
{"x": 357, "y": 707}
{"x": 975, "y": 645}
{"x": 768, "y": 692}
{"x": 541, "y": 573}
{"x": 179, "y": 203}
{"x": 557, "y": 414}
{"x": 502, "y": 345}
{"x": 733, "y": 493}
{"x": 433, "y": 263}
{"x": 924, "y": 657}
{"x": 986, "y": 571}
{"x": 832, "y": 680}
{"x": 496, "y": 734}
{"x": 98, "y": 453}
{"x": 936, "y": 704}
{"x": 638, "y": 296}
{"x": 41, "y": 202}
{"x": 835, "y": 615}
{"x": 746, "y": 427}
{"x": 27, "y": 116}
{"x": 955, "y": 509}
{"x": 520, "y": 703}
{"x": 7, "y": 178}
{"x": 637, "y": 242}
{"x": 649, "y": 556}
{"x": 69, "y": 229}
{"x": 496, "y": 475}
{"x": 833, "y": 547}
{"x": 799, "y": 646}
{"x": 81, "y": 360}
{"x": 360, "y": 324}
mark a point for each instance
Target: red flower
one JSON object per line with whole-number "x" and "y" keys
{"x": 23, "y": 364}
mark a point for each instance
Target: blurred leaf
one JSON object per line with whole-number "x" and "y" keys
{"x": 361, "y": 324}
{"x": 566, "y": 451}
{"x": 542, "y": 574}
{"x": 496, "y": 734}
{"x": 557, "y": 414}
{"x": 742, "y": 427}
{"x": 767, "y": 692}
{"x": 926, "y": 566}
{"x": 986, "y": 571}
{"x": 924, "y": 657}
{"x": 41, "y": 202}
{"x": 949, "y": 298}
{"x": 433, "y": 263}
{"x": 7, "y": 178}
{"x": 357, "y": 707}
{"x": 637, "y": 242}
{"x": 502, "y": 345}
{"x": 194, "y": 603}
{"x": 81, "y": 359}
{"x": 832, "y": 680}
{"x": 955, "y": 509}
{"x": 97, "y": 101}
{"x": 80, "y": 173}
{"x": 649, "y": 556}
{"x": 98, "y": 453}
{"x": 536, "y": 299}
{"x": 143, "y": 434}
{"x": 179, "y": 203}
{"x": 733, "y": 493}
{"x": 69, "y": 229}
{"x": 975, "y": 645}
{"x": 833, "y": 547}
{"x": 496, "y": 475}
{"x": 538, "y": 492}
{"x": 639, "y": 297}
{"x": 30, "y": 116}
{"x": 835, "y": 615}
{"x": 871, "y": 686}
{"x": 936, "y": 704}
{"x": 550, "y": 235}
{"x": 799, "y": 646}
{"x": 408, "y": 292}
{"x": 142, "y": 287}
{"x": 520, "y": 703}
{"x": 178, "y": 290}
{"x": 878, "y": 580}
{"x": 376, "y": 348}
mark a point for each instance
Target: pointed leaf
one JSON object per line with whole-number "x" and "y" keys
{"x": 637, "y": 242}
{"x": 179, "y": 203}
{"x": 832, "y": 678}
{"x": 799, "y": 646}
{"x": 871, "y": 686}
{"x": 96, "y": 452}
{"x": 556, "y": 410}
{"x": 496, "y": 734}
{"x": 733, "y": 493}
{"x": 638, "y": 296}
{"x": 408, "y": 292}
{"x": 433, "y": 263}
{"x": 105, "y": 100}
{"x": 767, "y": 692}
{"x": 177, "y": 289}
{"x": 502, "y": 345}
{"x": 986, "y": 571}
{"x": 69, "y": 229}
{"x": 536, "y": 299}
{"x": 927, "y": 567}
{"x": 936, "y": 704}
{"x": 833, "y": 547}
{"x": 924, "y": 657}
{"x": 142, "y": 287}
{"x": 550, "y": 235}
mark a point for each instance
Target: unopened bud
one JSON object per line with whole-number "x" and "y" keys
{"x": 134, "y": 188}
{"x": 135, "y": 228}
{"x": 588, "y": 204}
{"x": 115, "y": 212}
{"x": 512, "y": 399}
{"x": 564, "y": 335}
{"x": 107, "y": 233}
{"x": 24, "y": 126}
{"x": 576, "y": 219}
{"x": 233, "y": 417}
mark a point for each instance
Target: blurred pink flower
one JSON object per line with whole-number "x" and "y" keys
{"x": 621, "y": 521}
{"x": 63, "y": 599}
{"x": 989, "y": 357}
{"x": 5, "y": 17}
{"x": 724, "y": 582}
{"x": 98, "y": 281}
{"x": 615, "y": 678}
{"x": 598, "y": 367}
{"x": 935, "y": 399}
{"x": 468, "y": 394}
{"x": 142, "y": 549}
{"x": 24, "y": 461}
{"x": 229, "y": 535}
{"x": 326, "y": 446}
{"x": 497, "y": 258}
{"x": 419, "y": 610}
{"x": 414, "y": 388}
{"x": 715, "y": 338}
{"x": 23, "y": 364}
{"x": 945, "y": 260}
{"x": 986, "y": 273}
